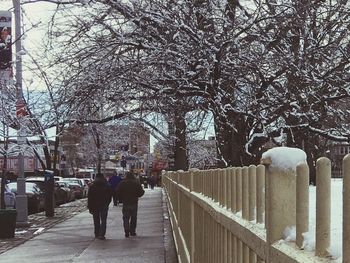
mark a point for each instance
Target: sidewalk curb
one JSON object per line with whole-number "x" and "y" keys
{"x": 170, "y": 254}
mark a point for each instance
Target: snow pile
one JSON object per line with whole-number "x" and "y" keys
{"x": 41, "y": 229}
{"x": 336, "y": 219}
{"x": 335, "y": 248}
{"x": 285, "y": 158}
{"x": 289, "y": 234}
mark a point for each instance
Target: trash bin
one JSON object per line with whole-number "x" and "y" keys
{"x": 7, "y": 223}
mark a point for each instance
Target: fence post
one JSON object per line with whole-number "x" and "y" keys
{"x": 302, "y": 195}
{"x": 323, "y": 206}
{"x": 233, "y": 190}
{"x": 252, "y": 192}
{"x": 280, "y": 195}
{"x": 229, "y": 188}
{"x": 346, "y": 209}
{"x": 245, "y": 193}
{"x": 220, "y": 183}
{"x": 224, "y": 187}
{"x": 192, "y": 245}
{"x": 238, "y": 189}
{"x": 216, "y": 185}
{"x": 260, "y": 193}
{"x": 178, "y": 197}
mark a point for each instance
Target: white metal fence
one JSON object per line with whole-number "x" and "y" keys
{"x": 239, "y": 214}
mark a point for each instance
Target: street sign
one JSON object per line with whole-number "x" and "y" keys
{"x": 21, "y": 110}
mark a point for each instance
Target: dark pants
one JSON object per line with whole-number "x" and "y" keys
{"x": 129, "y": 218}
{"x": 115, "y": 199}
{"x": 100, "y": 221}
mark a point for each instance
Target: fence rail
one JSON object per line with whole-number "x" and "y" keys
{"x": 239, "y": 214}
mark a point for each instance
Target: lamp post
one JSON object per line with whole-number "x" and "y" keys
{"x": 21, "y": 198}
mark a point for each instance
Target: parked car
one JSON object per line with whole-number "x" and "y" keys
{"x": 60, "y": 195}
{"x": 35, "y": 196}
{"x": 70, "y": 191}
{"x": 58, "y": 178}
{"x": 75, "y": 186}
{"x": 86, "y": 187}
{"x": 80, "y": 182}
{"x": 88, "y": 181}
{"x": 9, "y": 197}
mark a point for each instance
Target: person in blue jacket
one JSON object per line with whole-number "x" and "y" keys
{"x": 113, "y": 181}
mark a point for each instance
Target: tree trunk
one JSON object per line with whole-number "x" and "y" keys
{"x": 3, "y": 180}
{"x": 231, "y": 139}
{"x": 55, "y": 153}
{"x": 180, "y": 142}
{"x": 47, "y": 157}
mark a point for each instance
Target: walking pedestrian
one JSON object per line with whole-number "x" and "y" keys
{"x": 99, "y": 197}
{"x": 113, "y": 181}
{"x": 152, "y": 181}
{"x": 129, "y": 191}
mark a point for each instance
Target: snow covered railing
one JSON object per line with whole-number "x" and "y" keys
{"x": 241, "y": 214}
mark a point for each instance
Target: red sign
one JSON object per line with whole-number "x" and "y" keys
{"x": 159, "y": 165}
{"x": 12, "y": 164}
{"x": 21, "y": 110}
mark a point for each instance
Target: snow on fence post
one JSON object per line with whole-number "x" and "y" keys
{"x": 260, "y": 193}
{"x": 252, "y": 192}
{"x": 245, "y": 193}
{"x": 302, "y": 209}
{"x": 323, "y": 206}
{"x": 346, "y": 209}
{"x": 280, "y": 194}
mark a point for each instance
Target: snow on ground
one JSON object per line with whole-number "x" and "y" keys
{"x": 289, "y": 158}
{"x": 336, "y": 221}
{"x": 336, "y": 218}
{"x": 41, "y": 229}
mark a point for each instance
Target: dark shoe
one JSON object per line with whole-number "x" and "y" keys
{"x": 101, "y": 238}
{"x": 133, "y": 234}
{"x": 126, "y": 234}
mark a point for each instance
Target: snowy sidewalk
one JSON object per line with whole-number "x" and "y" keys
{"x": 73, "y": 240}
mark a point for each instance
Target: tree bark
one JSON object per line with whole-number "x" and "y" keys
{"x": 180, "y": 142}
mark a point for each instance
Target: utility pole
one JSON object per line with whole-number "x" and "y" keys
{"x": 21, "y": 198}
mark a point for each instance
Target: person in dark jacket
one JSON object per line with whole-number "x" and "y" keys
{"x": 99, "y": 197}
{"x": 128, "y": 191}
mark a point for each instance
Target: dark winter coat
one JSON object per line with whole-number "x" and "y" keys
{"x": 99, "y": 195}
{"x": 129, "y": 191}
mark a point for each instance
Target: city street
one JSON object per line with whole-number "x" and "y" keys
{"x": 73, "y": 240}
